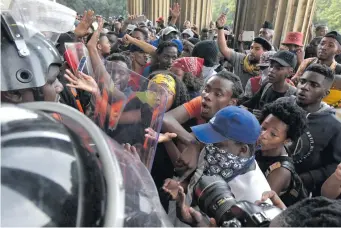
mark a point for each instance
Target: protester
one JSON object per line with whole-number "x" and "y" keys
{"x": 244, "y": 66}
{"x": 103, "y": 46}
{"x": 204, "y": 35}
{"x": 186, "y": 34}
{"x": 293, "y": 42}
{"x": 119, "y": 72}
{"x": 254, "y": 84}
{"x": 282, "y": 123}
{"x": 160, "y": 24}
{"x": 139, "y": 59}
{"x": 228, "y": 153}
{"x": 282, "y": 66}
{"x": 211, "y": 61}
{"x": 321, "y": 30}
{"x": 189, "y": 70}
{"x": 267, "y": 32}
{"x": 329, "y": 47}
{"x": 311, "y": 49}
{"x": 140, "y": 34}
{"x": 187, "y": 25}
{"x": 219, "y": 91}
{"x": 317, "y": 153}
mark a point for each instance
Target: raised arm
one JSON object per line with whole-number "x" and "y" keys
{"x": 146, "y": 47}
{"x": 224, "y": 49}
{"x": 172, "y": 123}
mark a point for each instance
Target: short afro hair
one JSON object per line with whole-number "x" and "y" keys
{"x": 163, "y": 45}
{"x": 290, "y": 114}
{"x": 237, "y": 88}
{"x": 321, "y": 69}
{"x": 144, "y": 32}
{"x": 311, "y": 212}
{"x": 120, "y": 57}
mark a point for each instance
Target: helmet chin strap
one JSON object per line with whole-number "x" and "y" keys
{"x": 38, "y": 94}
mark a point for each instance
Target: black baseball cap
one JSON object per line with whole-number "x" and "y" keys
{"x": 285, "y": 58}
{"x": 335, "y": 35}
{"x": 265, "y": 44}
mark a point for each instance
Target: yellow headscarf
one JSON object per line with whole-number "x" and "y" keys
{"x": 166, "y": 81}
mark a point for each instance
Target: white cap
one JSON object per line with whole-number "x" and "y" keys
{"x": 188, "y": 32}
{"x": 131, "y": 27}
{"x": 168, "y": 30}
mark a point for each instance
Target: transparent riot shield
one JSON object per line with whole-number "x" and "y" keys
{"x": 123, "y": 103}
{"x": 126, "y": 105}
{"x": 133, "y": 199}
{"x": 77, "y": 57}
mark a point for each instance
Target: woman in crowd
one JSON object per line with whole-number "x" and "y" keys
{"x": 189, "y": 70}
{"x": 282, "y": 122}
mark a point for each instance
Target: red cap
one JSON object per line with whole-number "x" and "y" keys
{"x": 160, "y": 19}
{"x": 294, "y": 38}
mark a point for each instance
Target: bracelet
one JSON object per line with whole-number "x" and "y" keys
{"x": 220, "y": 28}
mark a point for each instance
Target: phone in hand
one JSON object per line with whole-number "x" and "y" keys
{"x": 226, "y": 10}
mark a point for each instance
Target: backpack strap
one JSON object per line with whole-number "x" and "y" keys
{"x": 265, "y": 89}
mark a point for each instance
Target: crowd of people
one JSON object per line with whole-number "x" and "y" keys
{"x": 266, "y": 120}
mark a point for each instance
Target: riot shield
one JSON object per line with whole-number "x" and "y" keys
{"x": 123, "y": 104}
{"x": 126, "y": 105}
{"x": 130, "y": 187}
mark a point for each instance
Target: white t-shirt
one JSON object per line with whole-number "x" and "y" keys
{"x": 250, "y": 186}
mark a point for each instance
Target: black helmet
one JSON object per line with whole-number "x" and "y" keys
{"x": 64, "y": 171}
{"x": 28, "y": 58}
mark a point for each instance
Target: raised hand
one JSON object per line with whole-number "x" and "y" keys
{"x": 172, "y": 187}
{"x": 175, "y": 10}
{"x": 221, "y": 21}
{"x": 95, "y": 36}
{"x": 127, "y": 39}
{"x": 81, "y": 81}
{"x": 82, "y": 28}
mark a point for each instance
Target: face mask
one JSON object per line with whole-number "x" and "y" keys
{"x": 224, "y": 163}
{"x": 264, "y": 75}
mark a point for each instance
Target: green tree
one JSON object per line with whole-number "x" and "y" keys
{"x": 105, "y": 8}
{"x": 219, "y": 6}
{"x": 328, "y": 12}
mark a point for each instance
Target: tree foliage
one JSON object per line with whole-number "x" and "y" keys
{"x": 328, "y": 12}
{"x": 105, "y": 8}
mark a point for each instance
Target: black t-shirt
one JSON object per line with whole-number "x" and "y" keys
{"x": 258, "y": 101}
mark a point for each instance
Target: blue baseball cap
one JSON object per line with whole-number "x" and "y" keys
{"x": 179, "y": 44}
{"x": 232, "y": 123}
